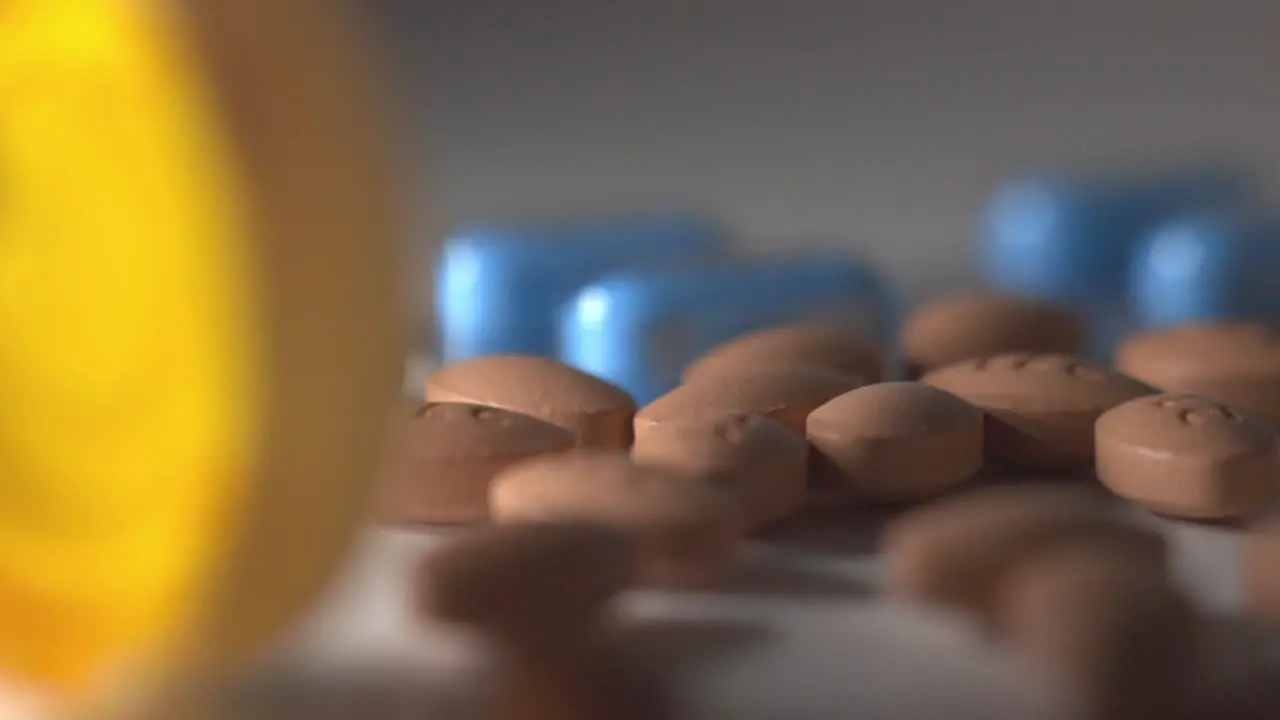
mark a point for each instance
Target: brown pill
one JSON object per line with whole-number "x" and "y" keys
{"x": 755, "y": 460}
{"x": 1261, "y": 571}
{"x": 1188, "y": 456}
{"x": 952, "y": 553}
{"x": 446, "y": 454}
{"x": 541, "y": 582}
{"x": 1040, "y": 409}
{"x": 973, "y": 325}
{"x": 1121, "y": 639}
{"x": 897, "y": 441}
{"x": 597, "y": 412}
{"x": 687, "y": 530}
{"x": 1235, "y": 363}
{"x": 827, "y": 346}
{"x": 785, "y": 393}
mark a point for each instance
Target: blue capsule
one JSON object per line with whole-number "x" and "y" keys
{"x": 640, "y": 329}
{"x": 501, "y": 289}
{"x": 1072, "y": 240}
{"x": 1207, "y": 266}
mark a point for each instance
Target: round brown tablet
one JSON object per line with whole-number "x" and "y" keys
{"x": 897, "y": 441}
{"x": 973, "y": 325}
{"x": 1040, "y": 409}
{"x": 952, "y": 553}
{"x": 447, "y": 454}
{"x": 1260, "y": 569}
{"x": 828, "y": 346}
{"x": 1233, "y": 362}
{"x": 785, "y": 393}
{"x": 758, "y": 462}
{"x": 687, "y": 529}
{"x": 544, "y": 583}
{"x": 1188, "y": 456}
{"x": 596, "y": 411}
{"x": 1123, "y": 640}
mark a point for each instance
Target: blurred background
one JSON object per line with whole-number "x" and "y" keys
{"x": 879, "y": 124}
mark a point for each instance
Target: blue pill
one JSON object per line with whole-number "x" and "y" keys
{"x": 1207, "y": 266}
{"x": 501, "y": 289}
{"x": 640, "y": 329}
{"x": 1072, "y": 239}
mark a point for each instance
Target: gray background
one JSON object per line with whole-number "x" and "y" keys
{"x": 880, "y": 125}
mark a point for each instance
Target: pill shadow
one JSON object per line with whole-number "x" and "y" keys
{"x": 781, "y": 580}
{"x": 359, "y": 695}
{"x": 1254, "y": 697}
{"x": 828, "y": 533}
{"x": 639, "y": 671}
{"x": 677, "y": 643}
{"x": 1091, "y": 483}
{"x": 414, "y": 527}
{"x": 1236, "y": 646}
{"x": 612, "y": 680}
{"x": 838, "y": 524}
{"x": 1238, "y": 524}
{"x": 999, "y": 477}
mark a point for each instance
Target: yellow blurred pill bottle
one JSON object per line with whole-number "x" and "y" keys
{"x": 199, "y": 338}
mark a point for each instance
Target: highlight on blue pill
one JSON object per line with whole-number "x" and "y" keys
{"x": 640, "y": 329}
{"x": 499, "y": 289}
{"x": 1072, "y": 239}
{"x": 1207, "y": 266}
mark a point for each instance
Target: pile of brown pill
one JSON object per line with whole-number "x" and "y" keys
{"x": 1010, "y": 466}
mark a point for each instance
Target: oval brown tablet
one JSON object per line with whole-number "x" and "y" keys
{"x": 953, "y": 552}
{"x": 598, "y": 412}
{"x": 785, "y": 393}
{"x": 1188, "y": 456}
{"x": 972, "y": 325}
{"x": 1260, "y": 571}
{"x": 1040, "y": 409}
{"x": 897, "y": 441}
{"x": 545, "y": 583}
{"x": 828, "y": 346}
{"x": 1124, "y": 641}
{"x": 688, "y": 530}
{"x": 1234, "y": 362}
{"x": 446, "y": 454}
{"x": 755, "y": 460}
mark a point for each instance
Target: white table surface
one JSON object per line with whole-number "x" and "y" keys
{"x": 798, "y": 634}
